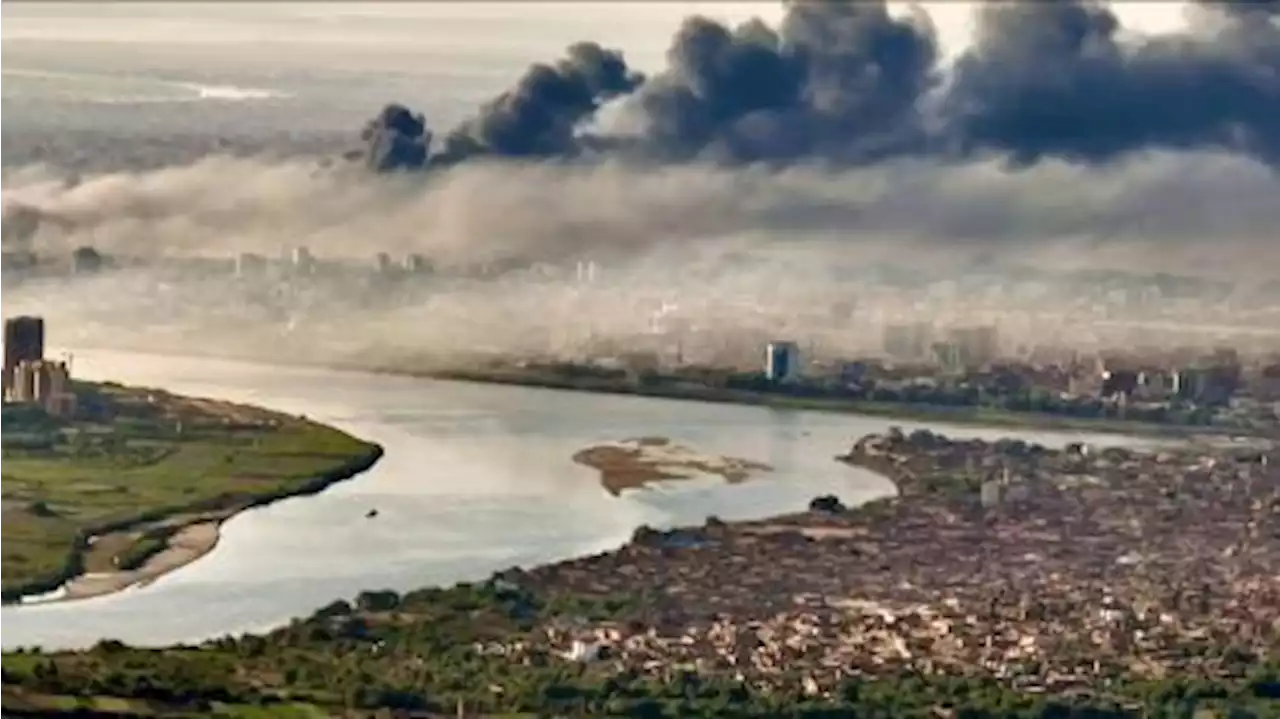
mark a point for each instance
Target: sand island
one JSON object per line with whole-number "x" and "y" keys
{"x": 634, "y": 463}
{"x": 135, "y": 483}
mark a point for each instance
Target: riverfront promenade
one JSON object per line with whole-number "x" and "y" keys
{"x": 1091, "y": 567}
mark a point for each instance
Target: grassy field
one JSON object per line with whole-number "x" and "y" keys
{"x": 135, "y": 466}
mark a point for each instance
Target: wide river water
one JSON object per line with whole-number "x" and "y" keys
{"x": 475, "y": 479}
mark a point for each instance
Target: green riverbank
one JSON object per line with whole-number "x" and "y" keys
{"x": 136, "y": 484}
{"x": 509, "y": 374}
{"x": 964, "y": 415}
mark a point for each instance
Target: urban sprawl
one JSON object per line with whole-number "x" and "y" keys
{"x": 1162, "y": 349}
{"x": 1075, "y": 570}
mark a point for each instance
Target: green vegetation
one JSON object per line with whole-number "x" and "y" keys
{"x": 136, "y": 465}
{"x": 956, "y": 404}
{"x": 383, "y": 652}
{"x": 416, "y": 652}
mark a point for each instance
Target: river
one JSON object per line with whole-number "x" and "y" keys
{"x": 475, "y": 479}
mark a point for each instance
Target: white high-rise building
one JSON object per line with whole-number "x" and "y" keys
{"x": 782, "y": 361}
{"x": 301, "y": 259}
{"x": 586, "y": 271}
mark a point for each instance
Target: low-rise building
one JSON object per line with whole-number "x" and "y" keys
{"x": 1207, "y": 385}
{"x": 45, "y": 383}
{"x": 1264, "y": 385}
{"x": 249, "y": 264}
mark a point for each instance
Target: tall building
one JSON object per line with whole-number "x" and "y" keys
{"x": 1207, "y": 385}
{"x": 416, "y": 263}
{"x": 52, "y": 378}
{"x": 586, "y": 271}
{"x": 950, "y": 356}
{"x": 908, "y": 341}
{"x": 975, "y": 346}
{"x": 23, "y": 388}
{"x": 302, "y": 260}
{"x": 23, "y": 341}
{"x": 782, "y": 361}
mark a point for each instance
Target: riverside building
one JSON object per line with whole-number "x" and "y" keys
{"x": 23, "y": 341}
{"x": 28, "y": 377}
{"x": 782, "y": 361}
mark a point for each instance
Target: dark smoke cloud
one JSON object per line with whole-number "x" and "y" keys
{"x": 535, "y": 119}
{"x": 396, "y": 139}
{"x": 538, "y": 118}
{"x": 1052, "y": 79}
{"x": 837, "y": 78}
{"x": 847, "y": 83}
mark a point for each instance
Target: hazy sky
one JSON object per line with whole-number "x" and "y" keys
{"x": 642, "y": 29}
{"x": 99, "y": 88}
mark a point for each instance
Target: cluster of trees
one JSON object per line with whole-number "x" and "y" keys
{"x": 963, "y": 394}
{"x": 954, "y": 394}
{"x": 416, "y": 652}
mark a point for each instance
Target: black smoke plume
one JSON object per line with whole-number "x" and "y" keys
{"x": 845, "y": 82}
{"x": 396, "y": 139}
{"x": 837, "y": 79}
{"x": 537, "y": 118}
{"x": 1053, "y": 79}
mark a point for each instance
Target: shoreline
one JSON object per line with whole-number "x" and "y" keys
{"x": 184, "y": 546}
{"x": 931, "y": 598}
{"x": 922, "y": 413}
{"x": 191, "y": 532}
{"x": 658, "y": 565}
{"x": 634, "y": 464}
{"x": 960, "y": 416}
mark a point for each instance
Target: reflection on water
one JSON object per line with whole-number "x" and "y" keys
{"x": 475, "y": 479}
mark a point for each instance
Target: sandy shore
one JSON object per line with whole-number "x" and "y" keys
{"x": 634, "y": 463}
{"x": 187, "y": 536}
{"x": 184, "y": 546}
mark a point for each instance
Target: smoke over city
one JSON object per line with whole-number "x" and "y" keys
{"x": 715, "y": 260}
{"x": 495, "y": 211}
{"x": 849, "y": 83}
{"x": 752, "y": 183}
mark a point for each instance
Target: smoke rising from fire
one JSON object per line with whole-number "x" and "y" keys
{"x": 763, "y": 168}
{"x": 849, "y": 83}
{"x": 745, "y": 255}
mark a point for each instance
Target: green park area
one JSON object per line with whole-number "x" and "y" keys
{"x": 109, "y": 487}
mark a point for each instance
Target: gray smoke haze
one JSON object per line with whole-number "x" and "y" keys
{"x": 1147, "y": 157}
{"x": 848, "y": 83}
{"x": 1173, "y": 208}
{"x": 746, "y": 255}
